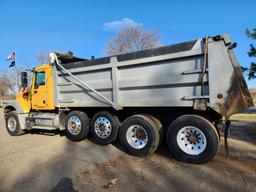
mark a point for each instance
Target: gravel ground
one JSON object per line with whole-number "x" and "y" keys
{"x": 49, "y": 162}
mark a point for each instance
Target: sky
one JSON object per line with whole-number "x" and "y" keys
{"x": 84, "y": 27}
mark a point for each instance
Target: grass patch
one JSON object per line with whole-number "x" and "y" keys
{"x": 244, "y": 117}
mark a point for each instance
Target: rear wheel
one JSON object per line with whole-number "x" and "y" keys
{"x": 12, "y": 124}
{"x": 77, "y": 125}
{"x": 104, "y": 127}
{"x": 192, "y": 139}
{"x": 139, "y": 135}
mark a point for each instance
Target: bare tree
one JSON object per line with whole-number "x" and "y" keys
{"x": 42, "y": 58}
{"x": 131, "y": 39}
{"x": 6, "y": 86}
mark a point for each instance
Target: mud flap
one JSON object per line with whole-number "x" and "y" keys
{"x": 226, "y": 131}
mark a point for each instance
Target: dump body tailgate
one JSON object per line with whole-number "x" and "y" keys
{"x": 226, "y": 78}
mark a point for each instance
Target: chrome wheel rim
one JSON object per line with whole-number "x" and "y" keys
{"x": 102, "y": 127}
{"x": 137, "y": 136}
{"x": 191, "y": 140}
{"x": 12, "y": 124}
{"x": 74, "y": 125}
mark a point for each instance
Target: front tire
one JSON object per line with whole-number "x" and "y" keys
{"x": 12, "y": 124}
{"x": 139, "y": 135}
{"x": 192, "y": 139}
{"x": 77, "y": 125}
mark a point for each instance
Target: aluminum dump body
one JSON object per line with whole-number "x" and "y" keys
{"x": 200, "y": 74}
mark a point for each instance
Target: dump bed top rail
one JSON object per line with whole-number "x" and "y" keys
{"x": 180, "y": 47}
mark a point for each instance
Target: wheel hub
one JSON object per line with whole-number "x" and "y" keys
{"x": 140, "y": 134}
{"x": 12, "y": 124}
{"x": 137, "y": 136}
{"x": 74, "y": 125}
{"x": 102, "y": 127}
{"x": 191, "y": 140}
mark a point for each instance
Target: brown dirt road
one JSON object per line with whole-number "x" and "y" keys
{"x": 40, "y": 162}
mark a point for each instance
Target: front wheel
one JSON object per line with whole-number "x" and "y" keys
{"x": 192, "y": 139}
{"x": 12, "y": 124}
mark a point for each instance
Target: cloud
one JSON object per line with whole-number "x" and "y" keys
{"x": 118, "y": 24}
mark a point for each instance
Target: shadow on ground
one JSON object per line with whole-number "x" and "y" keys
{"x": 64, "y": 185}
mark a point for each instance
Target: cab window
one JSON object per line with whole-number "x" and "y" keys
{"x": 40, "y": 79}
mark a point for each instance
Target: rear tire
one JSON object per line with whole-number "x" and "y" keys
{"x": 160, "y": 128}
{"x": 139, "y": 135}
{"x": 104, "y": 127}
{"x": 12, "y": 124}
{"x": 77, "y": 125}
{"x": 192, "y": 139}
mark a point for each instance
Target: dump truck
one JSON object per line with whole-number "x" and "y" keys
{"x": 179, "y": 93}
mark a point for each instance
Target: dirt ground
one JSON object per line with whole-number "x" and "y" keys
{"x": 48, "y": 162}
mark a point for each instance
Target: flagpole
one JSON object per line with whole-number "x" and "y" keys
{"x": 16, "y": 74}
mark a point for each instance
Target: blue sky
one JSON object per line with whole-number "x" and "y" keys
{"x": 84, "y": 27}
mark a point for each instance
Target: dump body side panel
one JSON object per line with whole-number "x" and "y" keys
{"x": 162, "y": 80}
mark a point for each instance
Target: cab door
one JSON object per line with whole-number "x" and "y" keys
{"x": 42, "y": 89}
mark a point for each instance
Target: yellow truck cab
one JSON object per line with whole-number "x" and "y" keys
{"x": 41, "y": 94}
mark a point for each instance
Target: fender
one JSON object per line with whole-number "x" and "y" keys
{"x": 14, "y": 106}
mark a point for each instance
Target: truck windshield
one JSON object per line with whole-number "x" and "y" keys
{"x": 40, "y": 79}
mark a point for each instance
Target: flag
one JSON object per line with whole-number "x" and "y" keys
{"x": 11, "y": 56}
{"x": 12, "y": 64}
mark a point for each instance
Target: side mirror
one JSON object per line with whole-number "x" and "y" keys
{"x": 24, "y": 79}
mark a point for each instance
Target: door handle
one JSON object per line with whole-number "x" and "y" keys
{"x": 35, "y": 91}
